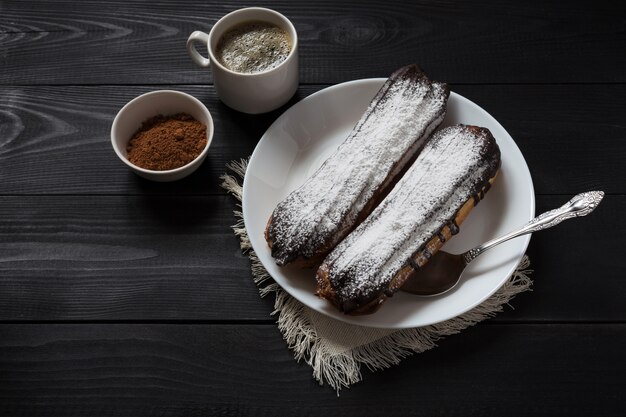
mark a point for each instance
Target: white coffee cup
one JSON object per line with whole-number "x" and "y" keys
{"x": 257, "y": 92}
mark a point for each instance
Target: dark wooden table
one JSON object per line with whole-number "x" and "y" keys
{"x": 122, "y": 296}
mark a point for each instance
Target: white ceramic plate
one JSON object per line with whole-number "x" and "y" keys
{"x": 306, "y": 134}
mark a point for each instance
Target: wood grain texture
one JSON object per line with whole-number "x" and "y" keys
{"x": 145, "y": 258}
{"x": 120, "y": 296}
{"x": 139, "y": 42}
{"x": 175, "y": 258}
{"x": 173, "y": 370}
{"x": 56, "y": 140}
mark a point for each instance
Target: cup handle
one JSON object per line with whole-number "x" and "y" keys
{"x": 198, "y": 36}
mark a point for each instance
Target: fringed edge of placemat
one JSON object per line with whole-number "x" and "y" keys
{"x": 344, "y": 369}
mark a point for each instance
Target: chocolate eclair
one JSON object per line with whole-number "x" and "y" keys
{"x": 424, "y": 209}
{"x": 306, "y": 225}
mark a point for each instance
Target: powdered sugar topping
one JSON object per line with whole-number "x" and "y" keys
{"x": 395, "y": 125}
{"x": 454, "y": 164}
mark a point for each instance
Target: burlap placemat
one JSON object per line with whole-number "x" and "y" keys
{"x": 335, "y": 350}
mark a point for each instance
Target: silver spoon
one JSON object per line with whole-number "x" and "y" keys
{"x": 443, "y": 271}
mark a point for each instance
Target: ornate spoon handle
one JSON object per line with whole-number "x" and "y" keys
{"x": 581, "y": 205}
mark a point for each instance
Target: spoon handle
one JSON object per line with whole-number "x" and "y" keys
{"x": 581, "y": 205}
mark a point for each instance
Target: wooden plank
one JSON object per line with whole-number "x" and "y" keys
{"x": 175, "y": 258}
{"x": 571, "y": 137}
{"x": 69, "y": 128}
{"x": 141, "y": 42}
{"x": 172, "y": 370}
{"x": 56, "y": 139}
{"x": 576, "y": 264}
{"x": 124, "y": 257}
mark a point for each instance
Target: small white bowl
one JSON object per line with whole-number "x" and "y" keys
{"x": 167, "y": 103}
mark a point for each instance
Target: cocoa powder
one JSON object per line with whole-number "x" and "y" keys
{"x": 167, "y": 142}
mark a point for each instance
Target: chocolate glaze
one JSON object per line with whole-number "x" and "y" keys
{"x": 481, "y": 194}
{"x": 454, "y": 228}
{"x": 389, "y": 292}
